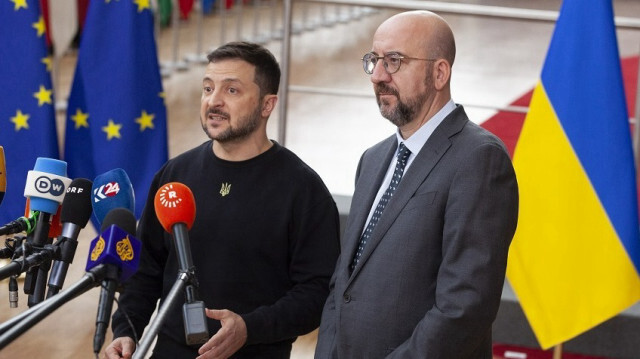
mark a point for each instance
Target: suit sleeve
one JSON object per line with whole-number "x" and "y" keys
{"x": 479, "y": 222}
{"x": 326, "y": 346}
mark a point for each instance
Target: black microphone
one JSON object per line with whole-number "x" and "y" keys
{"x": 28, "y": 262}
{"x": 22, "y": 224}
{"x": 75, "y": 213}
{"x": 113, "y": 254}
{"x": 117, "y": 248}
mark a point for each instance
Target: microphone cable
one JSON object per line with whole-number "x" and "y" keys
{"x": 11, "y": 244}
{"x": 126, "y": 315}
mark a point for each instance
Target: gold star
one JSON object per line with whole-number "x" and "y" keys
{"x": 163, "y": 96}
{"x": 19, "y": 4}
{"x": 20, "y": 120}
{"x": 39, "y": 26}
{"x": 145, "y": 120}
{"x": 47, "y": 62}
{"x": 112, "y": 130}
{"x": 43, "y": 95}
{"x": 142, "y": 4}
{"x": 80, "y": 118}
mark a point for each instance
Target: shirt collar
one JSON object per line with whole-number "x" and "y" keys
{"x": 416, "y": 141}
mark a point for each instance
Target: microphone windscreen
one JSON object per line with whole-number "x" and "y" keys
{"x": 115, "y": 245}
{"x": 3, "y": 174}
{"x": 174, "y": 203}
{"x": 46, "y": 185}
{"x": 76, "y": 206}
{"x": 110, "y": 190}
{"x": 121, "y": 217}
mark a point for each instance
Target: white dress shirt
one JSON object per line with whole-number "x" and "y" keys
{"x": 414, "y": 143}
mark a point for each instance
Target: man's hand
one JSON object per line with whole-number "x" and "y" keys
{"x": 122, "y": 347}
{"x": 231, "y": 337}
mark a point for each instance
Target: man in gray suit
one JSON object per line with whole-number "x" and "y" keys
{"x": 433, "y": 213}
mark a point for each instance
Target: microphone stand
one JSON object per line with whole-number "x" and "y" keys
{"x": 16, "y": 266}
{"x": 90, "y": 280}
{"x": 193, "y": 311}
{"x": 18, "y": 318}
{"x": 170, "y": 301}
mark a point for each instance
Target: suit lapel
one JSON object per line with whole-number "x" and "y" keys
{"x": 430, "y": 154}
{"x": 368, "y": 182}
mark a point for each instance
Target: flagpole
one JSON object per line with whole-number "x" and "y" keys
{"x": 284, "y": 78}
{"x": 557, "y": 351}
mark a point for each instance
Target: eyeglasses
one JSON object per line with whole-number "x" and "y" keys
{"x": 390, "y": 61}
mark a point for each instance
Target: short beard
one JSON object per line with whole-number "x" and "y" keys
{"x": 404, "y": 112}
{"x": 246, "y": 126}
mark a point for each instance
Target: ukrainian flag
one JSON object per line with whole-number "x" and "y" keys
{"x": 575, "y": 257}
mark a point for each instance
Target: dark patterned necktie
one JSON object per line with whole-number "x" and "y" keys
{"x": 403, "y": 155}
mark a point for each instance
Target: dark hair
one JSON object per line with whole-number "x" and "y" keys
{"x": 267, "y": 73}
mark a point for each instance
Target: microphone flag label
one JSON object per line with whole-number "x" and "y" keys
{"x": 169, "y": 196}
{"x": 174, "y": 203}
{"x": 116, "y": 247}
{"x": 97, "y": 249}
{"x": 112, "y": 189}
{"x": 124, "y": 249}
{"x": 106, "y": 190}
{"x": 46, "y": 185}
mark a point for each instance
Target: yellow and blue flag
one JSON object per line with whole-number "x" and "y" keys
{"x": 116, "y": 116}
{"x": 27, "y": 116}
{"x": 575, "y": 257}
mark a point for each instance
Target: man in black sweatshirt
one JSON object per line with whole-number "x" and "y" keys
{"x": 265, "y": 237}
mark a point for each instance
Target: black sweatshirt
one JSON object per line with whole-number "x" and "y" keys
{"x": 265, "y": 250}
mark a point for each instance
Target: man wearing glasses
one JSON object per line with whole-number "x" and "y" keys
{"x": 434, "y": 210}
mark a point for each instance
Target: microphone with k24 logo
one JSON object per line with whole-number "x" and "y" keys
{"x": 111, "y": 190}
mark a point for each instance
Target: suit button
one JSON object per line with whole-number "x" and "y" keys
{"x": 347, "y": 298}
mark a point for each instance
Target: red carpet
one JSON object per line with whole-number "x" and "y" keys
{"x": 501, "y": 351}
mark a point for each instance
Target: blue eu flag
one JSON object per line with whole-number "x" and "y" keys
{"x": 116, "y": 117}
{"x": 27, "y": 116}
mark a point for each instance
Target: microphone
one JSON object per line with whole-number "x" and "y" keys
{"x": 111, "y": 190}
{"x": 46, "y": 185}
{"x": 116, "y": 248}
{"x": 3, "y": 174}
{"x": 176, "y": 210}
{"x": 22, "y": 224}
{"x": 75, "y": 213}
{"x": 45, "y": 190}
{"x": 113, "y": 254}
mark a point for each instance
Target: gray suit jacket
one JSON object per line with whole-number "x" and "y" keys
{"x": 429, "y": 281}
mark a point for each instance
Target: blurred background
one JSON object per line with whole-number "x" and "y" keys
{"x": 331, "y": 115}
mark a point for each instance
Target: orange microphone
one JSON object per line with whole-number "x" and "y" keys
{"x": 176, "y": 210}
